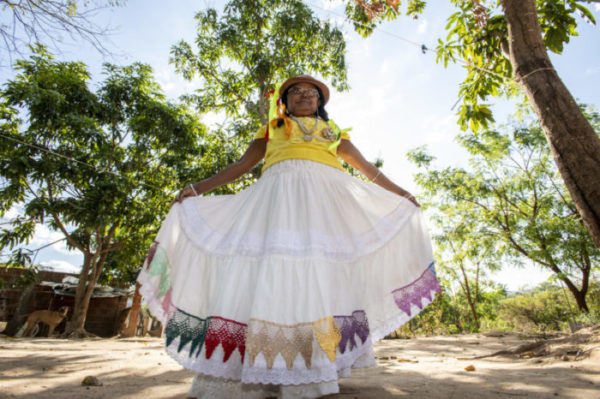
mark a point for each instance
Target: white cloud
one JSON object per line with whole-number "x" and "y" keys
{"x": 60, "y": 266}
{"x": 592, "y": 71}
{"x": 385, "y": 67}
{"x": 165, "y": 79}
{"x": 15, "y": 211}
{"x": 213, "y": 119}
{"x": 361, "y": 52}
{"x": 520, "y": 278}
{"x": 172, "y": 83}
{"x": 422, "y": 28}
{"x": 597, "y": 7}
{"x": 440, "y": 129}
{"x": 330, "y": 10}
{"x": 327, "y": 4}
{"x": 43, "y": 235}
{"x": 12, "y": 213}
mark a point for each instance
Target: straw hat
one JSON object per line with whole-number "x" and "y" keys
{"x": 306, "y": 79}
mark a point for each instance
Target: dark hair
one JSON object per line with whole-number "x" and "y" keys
{"x": 320, "y": 110}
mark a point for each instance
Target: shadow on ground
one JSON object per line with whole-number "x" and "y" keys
{"x": 416, "y": 369}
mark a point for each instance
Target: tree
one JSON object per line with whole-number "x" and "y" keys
{"x": 464, "y": 252}
{"x": 500, "y": 39}
{"x": 252, "y": 46}
{"x": 100, "y": 167}
{"x": 465, "y": 249}
{"x": 513, "y": 196}
{"x": 35, "y": 21}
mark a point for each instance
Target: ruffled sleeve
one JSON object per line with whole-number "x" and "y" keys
{"x": 345, "y": 136}
{"x": 260, "y": 134}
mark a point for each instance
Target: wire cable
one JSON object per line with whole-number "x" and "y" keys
{"x": 35, "y": 251}
{"x": 99, "y": 171}
{"x": 421, "y": 46}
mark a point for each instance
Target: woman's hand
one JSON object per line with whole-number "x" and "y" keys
{"x": 188, "y": 191}
{"x": 352, "y": 155}
{"x": 254, "y": 153}
{"x": 411, "y": 198}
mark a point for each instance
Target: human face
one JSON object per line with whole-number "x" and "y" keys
{"x": 303, "y": 103}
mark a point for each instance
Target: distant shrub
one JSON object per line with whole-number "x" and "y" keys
{"x": 542, "y": 311}
{"x": 547, "y": 308}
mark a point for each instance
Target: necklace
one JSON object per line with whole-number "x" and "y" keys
{"x": 308, "y": 134}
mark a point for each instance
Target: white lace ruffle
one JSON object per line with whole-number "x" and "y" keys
{"x": 207, "y": 387}
{"x": 322, "y": 369}
{"x": 386, "y": 326}
{"x": 306, "y": 234}
{"x": 289, "y": 243}
{"x": 240, "y": 288}
{"x": 226, "y": 230}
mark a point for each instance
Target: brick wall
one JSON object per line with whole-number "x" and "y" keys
{"x": 10, "y": 296}
{"x": 102, "y": 316}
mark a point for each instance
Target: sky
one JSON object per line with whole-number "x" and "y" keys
{"x": 399, "y": 98}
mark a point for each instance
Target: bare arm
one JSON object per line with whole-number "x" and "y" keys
{"x": 352, "y": 155}
{"x": 253, "y": 155}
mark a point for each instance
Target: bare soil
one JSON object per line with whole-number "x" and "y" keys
{"x": 503, "y": 365}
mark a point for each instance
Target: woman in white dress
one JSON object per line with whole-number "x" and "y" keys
{"x": 280, "y": 289}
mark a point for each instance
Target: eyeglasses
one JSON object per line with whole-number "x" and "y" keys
{"x": 298, "y": 91}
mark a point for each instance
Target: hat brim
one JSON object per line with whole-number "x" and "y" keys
{"x": 306, "y": 79}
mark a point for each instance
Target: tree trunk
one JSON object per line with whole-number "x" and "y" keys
{"x": 579, "y": 295}
{"x": 75, "y": 327}
{"x": 581, "y": 303}
{"x": 134, "y": 314}
{"x": 467, "y": 291}
{"x": 83, "y": 294}
{"x": 574, "y": 143}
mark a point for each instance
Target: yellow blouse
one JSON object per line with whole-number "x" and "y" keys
{"x": 280, "y": 148}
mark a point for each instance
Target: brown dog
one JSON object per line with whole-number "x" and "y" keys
{"x": 50, "y": 317}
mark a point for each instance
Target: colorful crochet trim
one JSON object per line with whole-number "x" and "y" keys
{"x": 157, "y": 263}
{"x": 270, "y": 339}
{"x": 350, "y": 326}
{"x": 259, "y": 336}
{"x": 413, "y": 293}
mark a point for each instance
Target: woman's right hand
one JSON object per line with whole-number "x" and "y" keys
{"x": 254, "y": 153}
{"x": 183, "y": 194}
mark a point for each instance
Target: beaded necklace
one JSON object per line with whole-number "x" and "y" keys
{"x": 308, "y": 134}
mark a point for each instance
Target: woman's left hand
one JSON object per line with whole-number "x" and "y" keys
{"x": 412, "y": 199}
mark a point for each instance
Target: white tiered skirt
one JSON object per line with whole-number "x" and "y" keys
{"x": 288, "y": 282}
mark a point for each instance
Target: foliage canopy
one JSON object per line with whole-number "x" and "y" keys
{"x": 511, "y": 203}
{"x": 253, "y": 45}
{"x": 99, "y": 166}
{"x": 477, "y": 34}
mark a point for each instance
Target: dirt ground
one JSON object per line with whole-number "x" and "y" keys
{"x": 433, "y": 367}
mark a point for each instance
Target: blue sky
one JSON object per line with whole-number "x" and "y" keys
{"x": 399, "y": 98}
